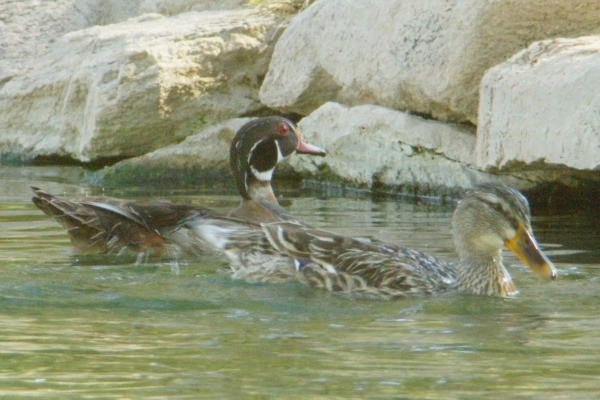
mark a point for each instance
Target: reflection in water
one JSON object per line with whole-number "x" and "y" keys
{"x": 75, "y": 326}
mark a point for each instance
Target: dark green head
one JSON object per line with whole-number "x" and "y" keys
{"x": 260, "y": 145}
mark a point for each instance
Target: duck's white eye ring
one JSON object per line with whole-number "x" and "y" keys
{"x": 283, "y": 129}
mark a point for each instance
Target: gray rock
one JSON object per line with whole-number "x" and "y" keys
{"x": 371, "y": 146}
{"x": 424, "y": 56}
{"x": 541, "y": 108}
{"x": 26, "y": 34}
{"x": 124, "y": 89}
{"x": 29, "y": 27}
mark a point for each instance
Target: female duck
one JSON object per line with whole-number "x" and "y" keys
{"x": 487, "y": 219}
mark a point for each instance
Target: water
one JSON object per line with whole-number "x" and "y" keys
{"x": 73, "y": 327}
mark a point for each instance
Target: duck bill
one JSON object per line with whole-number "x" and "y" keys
{"x": 307, "y": 148}
{"x": 526, "y": 248}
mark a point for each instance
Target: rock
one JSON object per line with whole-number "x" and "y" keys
{"x": 423, "y": 56}
{"x": 540, "y": 109}
{"x": 172, "y": 7}
{"x": 124, "y": 89}
{"x": 370, "y": 149}
{"x": 199, "y": 157}
{"x": 379, "y": 147}
{"x": 25, "y": 34}
{"x": 28, "y": 28}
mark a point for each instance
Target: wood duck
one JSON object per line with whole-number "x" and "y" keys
{"x": 488, "y": 218}
{"x": 157, "y": 228}
{"x": 255, "y": 151}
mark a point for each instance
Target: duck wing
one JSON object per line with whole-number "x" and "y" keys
{"x": 361, "y": 265}
{"x": 107, "y": 225}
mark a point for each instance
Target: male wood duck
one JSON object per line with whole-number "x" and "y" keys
{"x": 488, "y": 218}
{"x": 255, "y": 151}
{"x": 108, "y": 225}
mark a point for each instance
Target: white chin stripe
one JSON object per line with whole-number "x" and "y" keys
{"x": 280, "y": 156}
{"x": 264, "y": 176}
{"x": 252, "y": 150}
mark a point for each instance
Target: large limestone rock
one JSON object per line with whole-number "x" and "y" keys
{"x": 426, "y": 56}
{"x": 172, "y": 7}
{"x": 28, "y": 28}
{"x": 125, "y": 89}
{"x": 541, "y": 108}
{"x": 25, "y": 34}
{"x": 374, "y": 146}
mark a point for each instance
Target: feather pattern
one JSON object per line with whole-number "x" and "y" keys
{"x": 251, "y": 256}
{"x": 488, "y": 218}
{"x": 360, "y": 265}
{"x": 112, "y": 226}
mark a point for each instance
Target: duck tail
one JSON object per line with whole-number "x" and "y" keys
{"x": 101, "y": 225}
{"x": 81, "y": 222}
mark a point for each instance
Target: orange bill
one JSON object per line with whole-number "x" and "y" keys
{"x": 524, "y": 245}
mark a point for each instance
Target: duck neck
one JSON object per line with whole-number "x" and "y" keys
{"x": 484, "y": 275}
{"x": 259, "y": 191}
{"x": 254, "y": 185}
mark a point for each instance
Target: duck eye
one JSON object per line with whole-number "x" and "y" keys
{"x": 283, "y": 128}
{"x": 498, "y": 208}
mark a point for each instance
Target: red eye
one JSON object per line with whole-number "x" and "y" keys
{"x": 283, "y": 128}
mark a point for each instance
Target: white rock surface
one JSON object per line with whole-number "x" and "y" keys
{"x": 28, "y": 28}
{"x": 172, "y": 7}
{"x": 129, "y": 88}
{"x": 371, "y": 145}
{"x": 26, "y": 34}
{"x": 542, "y": 107}
{"x": 425, "y": 56}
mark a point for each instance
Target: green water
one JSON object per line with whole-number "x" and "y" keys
{"x": 96, "y": 327}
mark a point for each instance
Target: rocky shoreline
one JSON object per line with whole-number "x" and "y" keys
{"x": 417, "y": 98}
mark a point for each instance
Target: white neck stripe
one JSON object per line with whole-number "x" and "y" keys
{"x": 264, "y": 176}
{"x": 252, "y": 150}
{"x": 280, "y": 156}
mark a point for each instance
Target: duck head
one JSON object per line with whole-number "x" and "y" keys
{"x": 256, "y": 150}
{"x": 491, "y": 217}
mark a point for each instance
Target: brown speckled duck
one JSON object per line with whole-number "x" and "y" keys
{"x": 487, "y": 219}
{"x": 114, "y": 226}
